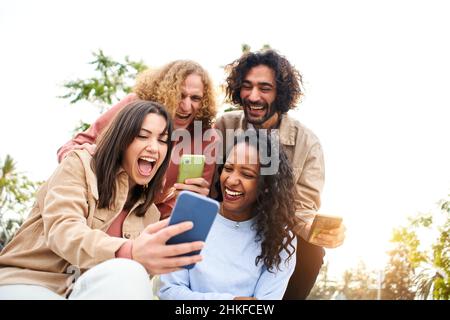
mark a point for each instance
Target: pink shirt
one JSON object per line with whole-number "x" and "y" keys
{"x": 115, "y": 230}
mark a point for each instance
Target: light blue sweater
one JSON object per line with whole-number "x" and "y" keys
{"x": 228, "y": 268}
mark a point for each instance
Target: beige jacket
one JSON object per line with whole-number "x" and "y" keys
{"x": 65, "y": 228}
{"x": 305, "y": 154}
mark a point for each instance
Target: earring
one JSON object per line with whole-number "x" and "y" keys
{"x": 145, "y": 186}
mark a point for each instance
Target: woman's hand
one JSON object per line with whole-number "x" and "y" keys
{"x": 150, "y": 248}
{"x": 198, "y": 185}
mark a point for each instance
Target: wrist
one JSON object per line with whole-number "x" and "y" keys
{"x": 126, "y": 250}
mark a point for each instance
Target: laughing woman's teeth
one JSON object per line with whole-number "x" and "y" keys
{"x": 147, "y": 159}
{"x": 233, "y": 193}
{"x": 146, "y": 165}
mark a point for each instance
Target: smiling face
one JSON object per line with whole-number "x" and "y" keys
{"x": 192, "y": 92}
{"x": 239, "y": 182}
{"x": 258, "y": 92}
{"x": 146, "y": 153}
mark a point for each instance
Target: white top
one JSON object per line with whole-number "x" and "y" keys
{"x": 228, "y": 268}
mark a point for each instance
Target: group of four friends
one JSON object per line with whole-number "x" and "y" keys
{"x": 99, "y": 225}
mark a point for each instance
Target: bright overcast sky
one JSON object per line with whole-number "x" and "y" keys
{"x": 376, "y": 76}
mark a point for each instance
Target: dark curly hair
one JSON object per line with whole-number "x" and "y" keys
{"x": 274, "y": 208}
{"x": 288, "y": 79}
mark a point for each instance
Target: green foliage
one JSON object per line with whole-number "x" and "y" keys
{"x": 245, "y": 48}
{"x": 408, "y": 242}
{"x": 426, "y": 271}
{"x": 421, "y": 221}
{"x": 399, "y": 272}
{"x": 441, "y": 257}
{"x": 433, "y": 279}
{"x": 82, "y": 126}
{"x": 231, "y": 108}
{"x": 16, "y": 195}
{"x": 359, "y": 283}
{"x": 325, "y": 287}
{"x": 266, "y": 47}
{"x": 112, "y": 80}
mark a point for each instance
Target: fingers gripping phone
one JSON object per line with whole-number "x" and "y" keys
{"x": 323, "y": 222}
{"x": 199, "y": 209}
{"x": 191, "y": 166}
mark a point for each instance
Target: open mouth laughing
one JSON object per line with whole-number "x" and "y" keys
{"x": 232, "y": 195}
{"x": 146, "y": 165}
{"x": 182, "y": 116}
{"x": 256, "y": 110}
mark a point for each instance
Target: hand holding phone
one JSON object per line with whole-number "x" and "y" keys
{"x": 190, "y": 175}
{"x": 200, "y": 210}
{"x": 151, "y": 250}
{"x": 323, "y": 223}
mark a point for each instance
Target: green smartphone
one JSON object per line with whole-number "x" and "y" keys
{"x": 323, "y": 222}
{"x": 191, "y": 166}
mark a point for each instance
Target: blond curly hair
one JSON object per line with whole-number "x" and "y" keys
{"x": 163, "y": 85}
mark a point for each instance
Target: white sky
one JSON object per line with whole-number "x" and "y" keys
{"x": 376, "y": 75}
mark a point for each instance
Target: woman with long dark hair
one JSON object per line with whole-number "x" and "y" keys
{"x": 93, "y": 232}
{"x": 249, "y": 252}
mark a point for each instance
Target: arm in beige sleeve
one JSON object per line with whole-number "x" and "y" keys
{"x": 64, "y": 213}
{"x": 309, "y": 186}
{"x": 90, "y": 135}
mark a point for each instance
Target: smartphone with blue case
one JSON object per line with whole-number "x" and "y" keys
{"x": 199, "y": 209}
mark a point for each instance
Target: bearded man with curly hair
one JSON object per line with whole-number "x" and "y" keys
{"x": 185, "y": 88}
{"x": 265, "y": 86}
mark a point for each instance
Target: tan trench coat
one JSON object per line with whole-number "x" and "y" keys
{"x": 65, "y": 228}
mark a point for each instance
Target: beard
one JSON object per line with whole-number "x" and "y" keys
{"x": 257, "y": 117}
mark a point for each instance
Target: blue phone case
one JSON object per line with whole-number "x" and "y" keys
{"x": 199, "y": 209}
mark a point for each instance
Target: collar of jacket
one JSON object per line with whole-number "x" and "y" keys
{"x": 287, "y": 129}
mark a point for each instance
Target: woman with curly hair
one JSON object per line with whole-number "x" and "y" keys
{"x": 249, "y": 252}
{"x": 186, "y": 90}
